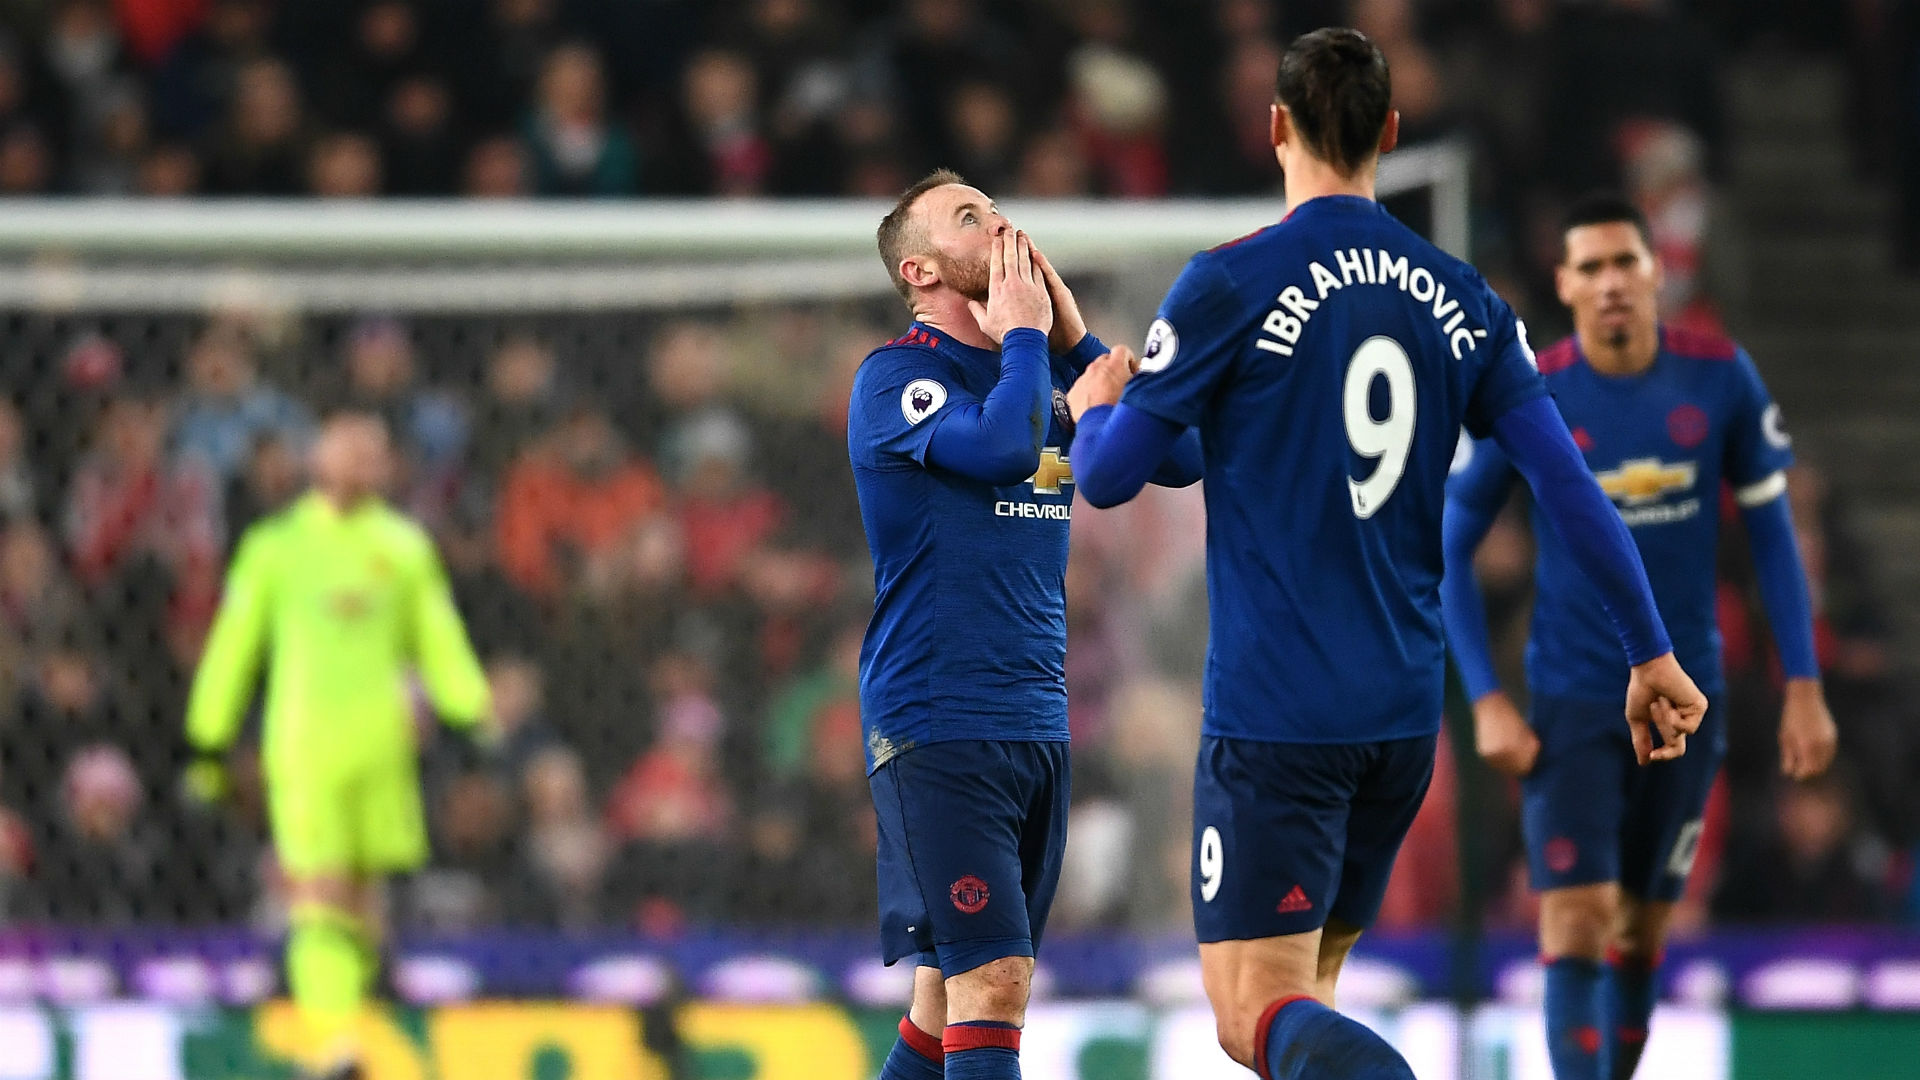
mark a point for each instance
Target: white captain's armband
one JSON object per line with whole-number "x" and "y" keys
{"x": 1762, "y": 492}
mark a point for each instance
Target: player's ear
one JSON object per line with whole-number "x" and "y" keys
{"x": 919, "y": 271}
{"x": 1279, "y": 125}
{"x": 1562, "y": 284}
{"x": 1390, "y": 134}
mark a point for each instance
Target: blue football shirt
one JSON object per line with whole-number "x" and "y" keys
{"x": 968, "y": 638}
{"x": 1661, "y": 443}
{"x": 1329, "y": 362}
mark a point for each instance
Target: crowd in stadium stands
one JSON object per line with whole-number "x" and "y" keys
{"x": 493, "y": 98}
{"x": 649, "y": 522}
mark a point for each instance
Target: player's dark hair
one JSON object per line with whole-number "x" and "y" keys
{"x": 896, "y": 233}
{"x": 1338, "y": 92}
{"x": 1603, "y": 208}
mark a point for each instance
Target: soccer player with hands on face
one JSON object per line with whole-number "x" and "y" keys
{"x": 1663, "y": 416}
{"x": 957, "y": 433}
{"x": 1329, "y": 362}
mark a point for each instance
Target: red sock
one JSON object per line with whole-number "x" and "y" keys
{"x": 980, "y": 1035}
{"x": 927, "y": 1046}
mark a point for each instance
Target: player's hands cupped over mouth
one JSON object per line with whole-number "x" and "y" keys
{"x": 1103, "y": 381}
{"x": 1016, "y": 290}
{"x": 1504, "y": 738}
{"x": 1068, "y": 325}
{"x": 1660, "y": 695}
{"x": 1808, "y": 737}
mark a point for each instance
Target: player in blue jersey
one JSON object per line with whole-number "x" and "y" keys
{"x": 1664, "y": 418}
{"x": 1329, "y": 362}
{"x": 957, "y": 432}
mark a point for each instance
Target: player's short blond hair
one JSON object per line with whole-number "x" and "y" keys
{"x": 899, "y": 236}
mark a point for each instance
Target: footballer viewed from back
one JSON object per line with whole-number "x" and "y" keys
{"x": 957, "y": 431}
{"x": 1329, "y": 363}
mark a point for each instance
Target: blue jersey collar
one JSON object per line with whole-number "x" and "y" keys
{"x": 942, "y": 342}
{"x": 1330, "y": 203}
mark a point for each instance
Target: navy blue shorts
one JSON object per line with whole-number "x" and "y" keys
{"x": 971, "y": 835}
{"x": 1289, "y": 835}
{"x": 1591, "y": 814}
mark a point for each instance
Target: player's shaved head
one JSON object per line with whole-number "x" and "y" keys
{"x": 903, "y": 232}
{"x": 1337, "y": 91}
{"x": 351, "y": 457}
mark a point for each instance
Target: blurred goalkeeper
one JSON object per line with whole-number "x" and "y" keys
{"x": 340, "y": 595}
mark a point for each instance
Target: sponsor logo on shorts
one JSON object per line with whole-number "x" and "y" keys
{"x": 1562, "y": 854}
{"x": 969, "y": 894}
{"x": 1294, "y": 902}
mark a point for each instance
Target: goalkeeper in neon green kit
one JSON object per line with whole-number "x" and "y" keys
{"x": 340, "y": 595}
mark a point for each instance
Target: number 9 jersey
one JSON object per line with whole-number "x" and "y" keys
{"x": 1329, "y": 362}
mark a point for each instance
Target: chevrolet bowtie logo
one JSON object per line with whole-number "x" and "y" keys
{"x": 1054, "y": 470}
{"x": 1645, "y": 480}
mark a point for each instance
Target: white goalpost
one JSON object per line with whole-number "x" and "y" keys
{"x": 71, "y": 255}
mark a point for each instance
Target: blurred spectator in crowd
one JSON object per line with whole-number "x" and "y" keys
{"x": 674, "y": 791}
{"x": 227, "y": 406}
{"x": 576, "y": 149}
{"x": 726, "y": 515}
{"x": 498, "y": 168}
{"x": 101, "y": 862}
{"x": 110, "y": 163}
{"x": 1419, "y": 94}
{"x": 26, "y": 163}
{"x": 522, "y": 402}
{"x": 1054, "y": 167}
{"x": 344, "y": 166}
{"x": 166, "y": 171}
{"x": 518, "y": 692}
{"x": 1665, "y": 166}
{"x": 1812, "y": 866}
{"x": 141, "y": 525}
{"x": 986, "y": 136}
{"x": 429, "y": 426}
{"x": 384, "y": 46}
{"x": 1118, "y": 110}
{"x": 503, "y": 53}
{"x": 67, "y": 700}
{"x": 802, "y": 454}
{"x": 569, "y": 499}
{"x": 197, "y": 57}
{"x": 420, "y": 142}
{"x": 275, "y": 475}
{"x": 261, "y": 150}
{"x": 19, "y": 487}
{"x": 560, "y": 880}
{"x": 472, "y": 851}
{"x": 721, "y": 113}
{"x": 38, "y": 604}
{"x": 672, "y": 812}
